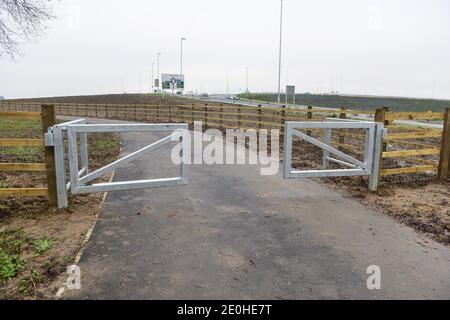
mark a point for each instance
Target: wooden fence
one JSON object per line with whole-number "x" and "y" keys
{"x": 47, "y": 116}
{"x": 407, "y": 149}
{"x": 413, "y": 149}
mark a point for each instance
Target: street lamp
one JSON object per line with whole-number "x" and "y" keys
{"x": 247, "y": 79}
{"x": 279, "y": 54}
{"x": 157, "y": 69}
{"x": 181, "y": 55}
{"x": 152, "y": 82}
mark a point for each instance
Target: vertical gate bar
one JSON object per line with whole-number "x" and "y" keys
{"x": 326, "y": 154}
{"x": 287, "y": 150}
{"x": 60, "y": 167}
{"x": 84, "y": 152}
{"x": 374, "y": 178}
{"x": 185, "y": 145}
{"x": 73, "y": 160}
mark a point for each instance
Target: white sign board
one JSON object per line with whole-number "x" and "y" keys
{"x": 172, "y": 81}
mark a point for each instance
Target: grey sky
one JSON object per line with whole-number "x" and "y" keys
{"x": 377, "y": 47}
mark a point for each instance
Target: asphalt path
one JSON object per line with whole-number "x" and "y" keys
{"x": 234, "y": 234}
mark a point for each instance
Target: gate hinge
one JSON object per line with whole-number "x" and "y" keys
{"x": 48, "y": 138}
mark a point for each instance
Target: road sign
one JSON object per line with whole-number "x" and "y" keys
{"x": 172, "y": 81}
{"x": 290, "y": 89}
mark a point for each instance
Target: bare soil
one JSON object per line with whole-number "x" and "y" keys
{"x": 113, "y": 99}
{"x": 23, "y": 221}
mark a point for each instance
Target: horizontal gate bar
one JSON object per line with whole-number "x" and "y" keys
{"x": 130, "y": 185}
{"x": 331, "y": 125}
{"x": 328, "y": 173}
{"x": 126, "y": 127}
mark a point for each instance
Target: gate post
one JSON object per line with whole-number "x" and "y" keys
{"x": 444, "y": 159}
{"x": 205, "y": 116}
{"x": 282, "y": 125}
{"x": 260, "y": 111}
{"x": 239, "y": 116}
{"x": 342, "y": 115}
{"x": 221, "y": 116}
{"x": 375, "y": 177}
{"x": 380, "y": 147}
{"x": 309, "y": 118}
{"x": 49, "y": 120}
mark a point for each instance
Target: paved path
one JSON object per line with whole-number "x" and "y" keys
{"x": 234, "y": 234}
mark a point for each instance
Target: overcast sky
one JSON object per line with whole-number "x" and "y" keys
{"x": 376, "y": 47}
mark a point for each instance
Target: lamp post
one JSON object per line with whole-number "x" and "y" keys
{"x": 279, "y": 54}
{"x": 247, "y": 79}
{"x": 181, "y": 55}
{"x": 152, "y": 79}
{"x": 157, "y": 70}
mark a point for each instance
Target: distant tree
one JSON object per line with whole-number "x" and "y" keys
{"x": 21, "y": 21}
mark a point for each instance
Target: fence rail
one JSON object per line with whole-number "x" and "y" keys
{"x": 27, "y": 167}
{"x": 407, "y": 150}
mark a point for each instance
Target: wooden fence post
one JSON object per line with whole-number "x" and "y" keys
{"x": 342, "y": 115}
{"x": 239, "y": 123}
{"x": 309, "y": 116}
{"x": 49, "y": 119}
{"x": 444, "y": 159}
{"x": 260, "y": 112}
{"x": 205, "y": 117}
{"x": 282, "y": 128}
{"x": 380, "y": 116}
{"x": 221, "y": 116}
{"x": 182, "y": 114}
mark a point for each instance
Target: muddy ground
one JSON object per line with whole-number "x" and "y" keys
{"x": 37, "y": 242}
{"x": 149, "y": 99}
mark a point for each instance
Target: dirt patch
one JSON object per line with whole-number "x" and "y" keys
{"x": 37, "y": 242}
{"x": 149, "y": 99}
{"x": 421, "y": 204}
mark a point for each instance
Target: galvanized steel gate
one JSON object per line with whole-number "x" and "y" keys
{"x": 77, "y": 131}
{"x": 369, "y": 166}
{"x": 80, "y": 176}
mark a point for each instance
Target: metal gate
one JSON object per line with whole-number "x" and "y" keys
{"x": 369, "y": 166}
{"x": 76, "y": 132}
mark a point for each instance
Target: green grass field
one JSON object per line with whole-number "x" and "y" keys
{"x": 356, "y": 102}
